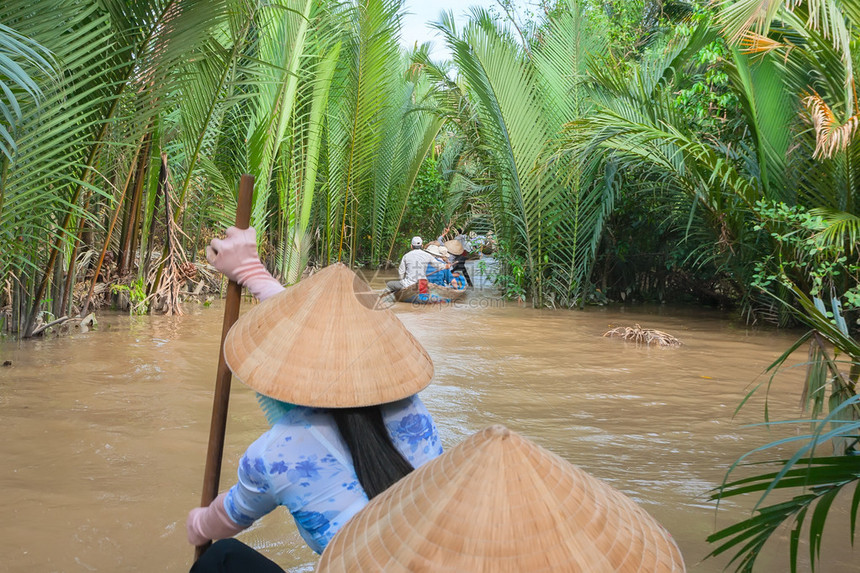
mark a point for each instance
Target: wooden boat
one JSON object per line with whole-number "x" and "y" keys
{"x": 438, "y": 294}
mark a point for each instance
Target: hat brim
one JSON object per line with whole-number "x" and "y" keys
{"x": 324, "y": 343}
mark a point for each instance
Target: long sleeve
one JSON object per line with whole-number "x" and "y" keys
{"x": 212, "y": 522}
{"x": 236, "y": 256}
{"x": 252, "y": 496}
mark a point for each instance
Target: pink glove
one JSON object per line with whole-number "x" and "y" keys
{"x": 205, "y": 523}
{"x": 236, "y": 256}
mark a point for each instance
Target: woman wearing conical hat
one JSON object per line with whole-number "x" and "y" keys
{"x": 499, "y": 503}
{"x": 338, "y": 381}
{"x": 459, "y": 247}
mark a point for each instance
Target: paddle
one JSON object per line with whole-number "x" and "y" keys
{"x": 215, "y": 451}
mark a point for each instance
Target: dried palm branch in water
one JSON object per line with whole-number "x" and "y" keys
{"x": 641, "y": 335}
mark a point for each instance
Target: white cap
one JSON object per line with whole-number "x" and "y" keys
{"x": 417, "y": 242}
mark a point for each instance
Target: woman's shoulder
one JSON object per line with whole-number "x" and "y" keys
{"x": 410, "y": 405}
{"x": 295, "y": 423}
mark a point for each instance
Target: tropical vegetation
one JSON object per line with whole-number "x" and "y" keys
{"x": 119, "y": 166}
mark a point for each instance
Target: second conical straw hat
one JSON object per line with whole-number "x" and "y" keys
{"x": 325, "y": 343}
{"x": 454, "y": 247}
{"x": 500, "y": 503}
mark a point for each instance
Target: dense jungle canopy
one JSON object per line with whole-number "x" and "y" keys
{"x": 646, "y": 150}
{"x": 642, "y": 150}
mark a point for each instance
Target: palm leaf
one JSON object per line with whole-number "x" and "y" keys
{"x": 514, "y": 130}
{"x": 768, "y": 110}
{"x": 822, "y": 477}
{"x": 17, "y": 55}
{"x": 839, "y": 229}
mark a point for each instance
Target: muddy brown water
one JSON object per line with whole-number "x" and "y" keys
{"x": 104, "y": 433}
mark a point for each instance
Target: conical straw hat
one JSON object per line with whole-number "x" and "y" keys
{"x": 325, "y": 343}
{"x": 454, "y": 247}
{"x": 500, "y": 503}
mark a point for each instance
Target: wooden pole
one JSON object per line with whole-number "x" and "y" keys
{"x": 223, "y": 377}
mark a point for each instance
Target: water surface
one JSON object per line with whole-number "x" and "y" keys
{"x": 105, "y": 432}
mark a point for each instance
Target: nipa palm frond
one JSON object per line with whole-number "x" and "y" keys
{"x": 18, "y": 54}
{"x": 820, "y": 478}
{"x": 839, "y": 229}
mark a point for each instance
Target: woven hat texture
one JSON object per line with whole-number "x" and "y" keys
{"x": 325, "y": 343}
{"x": 454, "y": 247}
{"x": 500, "y": 503}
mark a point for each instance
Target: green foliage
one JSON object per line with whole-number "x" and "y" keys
{"x": 648, "y": 253}
{"x": 512, "y": 278}
{"x": 631, "y": 25}
{"x": 313, "y": 97}
{"x": 425, "y": 210}
{"x": 707, "y": 100}
{"x": 834, "y": 365}
{"x": 518, "y": 96}
{"x": 20, "y": 60}
{"x": 820, "y": 478}
{"x": 805, "y": 256}
{"x": 714, "y": 139}
{"x": 136, "y": 292}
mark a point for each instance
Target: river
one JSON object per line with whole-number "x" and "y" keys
{"x": 104, "y": 432}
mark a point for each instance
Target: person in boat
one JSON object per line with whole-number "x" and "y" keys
{"x": 459, "y": 248}
{"x": 443, "y": 276}
{"x": 457, "y": 282}
{"x": 413, "y": 266}
{"x": 348, "y": 441}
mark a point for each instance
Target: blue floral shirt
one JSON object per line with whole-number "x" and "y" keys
{"x": 303, "y": 464}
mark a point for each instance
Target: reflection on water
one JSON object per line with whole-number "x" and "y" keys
{"x": 105, "y": 432}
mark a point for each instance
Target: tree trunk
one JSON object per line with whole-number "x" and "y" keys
{"x": 129, "y": 235}
{"x": 162, "y": 186}
{"x": 72, "y": 270}
{"x": 57, "y": 289}
{"x": 98, "y": 266}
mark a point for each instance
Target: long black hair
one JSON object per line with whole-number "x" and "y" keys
{"x": 378, "y": 464}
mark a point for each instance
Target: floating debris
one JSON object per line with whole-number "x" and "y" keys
{"x": 65, "y": 325}
{"x": 640, "y": 335}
